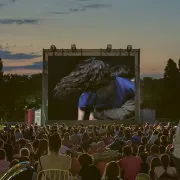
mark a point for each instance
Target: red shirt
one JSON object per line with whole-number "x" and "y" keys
{"x": 92, "y": 150}
{"x": 75, "y": 166}
{"x": 131, "y": 167}
{"x": 101, "y": 166}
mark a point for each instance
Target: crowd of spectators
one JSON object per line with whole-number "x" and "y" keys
{"x": 142, "y": 152}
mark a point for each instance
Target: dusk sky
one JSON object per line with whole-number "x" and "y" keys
{"x": 28, "y": 26}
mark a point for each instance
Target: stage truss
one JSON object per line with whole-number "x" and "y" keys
{"x": 53, "y": 51}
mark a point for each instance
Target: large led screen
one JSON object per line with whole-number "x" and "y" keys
{"x": 91, "y": 88}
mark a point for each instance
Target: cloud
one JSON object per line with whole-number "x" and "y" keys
{"x": 29, "y": 66}
{"x": 23, "y": 71}
{"x": 58, "y": 13}
{"x": 2, "y": 5}
{"x": 6, "y": 2}
{"x": 76, "y": 10}
{"x": 82, "y": 7}
{"x": 20, "y": 21}
{"x": 25, "y": 62}
{"x": 4, "y": 54}
{"x": 37, "y": 66}
{"x": 71, "y": 10}
{"x": 96, "y": 6}
{"x": 83, "y": 0}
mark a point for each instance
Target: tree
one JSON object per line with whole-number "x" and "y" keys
{"x": 171, "y": 76}
{"x": 171, "y": 93}
{"x": 1, "y": 86}
{"x": 1, "y": 68}
{"x": 171, "y": 71}
{"x": 152, "y": 98}
{"x": 179, "y": 65}
{"x": 18, "y": 91}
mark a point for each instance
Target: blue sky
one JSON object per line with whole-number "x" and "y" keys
{"x": 28, "y": 26}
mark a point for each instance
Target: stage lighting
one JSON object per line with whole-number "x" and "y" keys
{"x": 53, "y": 48}
{"x": 25, "y": 108}
{"x": 129, "y": 48}
{"x": 109, "y": 48}
{"x": 73, "y": 48}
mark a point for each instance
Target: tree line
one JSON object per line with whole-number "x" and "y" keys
{"x": 164, "y": 94}
{"x": 21, "y": 92}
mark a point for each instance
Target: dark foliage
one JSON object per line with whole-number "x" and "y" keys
{"x": 16, "y": 92}
{"x": 1, "y": 68}
{"x": 171, "y": 92}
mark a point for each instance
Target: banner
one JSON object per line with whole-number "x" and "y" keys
{"x": 37, "y": 118}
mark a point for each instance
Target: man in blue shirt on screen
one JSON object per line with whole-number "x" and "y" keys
{"x": 115, "y": 101}
{"x": 108, "y": 93}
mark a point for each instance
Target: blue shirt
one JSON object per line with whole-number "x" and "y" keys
{"x": 124, "y": 90}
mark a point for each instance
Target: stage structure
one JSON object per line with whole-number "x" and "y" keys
{"x": 73, "y": 51}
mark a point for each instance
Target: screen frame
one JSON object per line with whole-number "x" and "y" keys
{"x": 53, "y": 51}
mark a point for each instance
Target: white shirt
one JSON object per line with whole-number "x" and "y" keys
{"x": 55, "y": 161}
{"x": 176, "y": 144}
{"x": 158, "y": 171}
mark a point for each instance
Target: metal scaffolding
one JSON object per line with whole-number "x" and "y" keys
{"x": 73, "y": 51}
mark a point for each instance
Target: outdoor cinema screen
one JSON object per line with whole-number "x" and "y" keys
{"x": 91, "y": 88}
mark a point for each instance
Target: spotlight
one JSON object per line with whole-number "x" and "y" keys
{"x": 129, "y": 48}
{"x": 109, "y": 48}
{"x": 73, "y": 48}
{"x": 53, "y": 47}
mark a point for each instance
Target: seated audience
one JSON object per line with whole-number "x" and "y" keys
{"x": 155, "y": 162}
{"x": 24, "y": 152}
{"x": 144, "y": 165}
{"x": 42, "y": 149}
{"x": 4, "y": 164}
{"x": 154, "y": 152}
{"x": 165, "y": 170}
{"x": 112, "y": 171}
{"x": 54, "y": 160}
{"x": 88, "y": 171}
{"x": 137, "y": 147}
{"x": 130, "y": 165}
